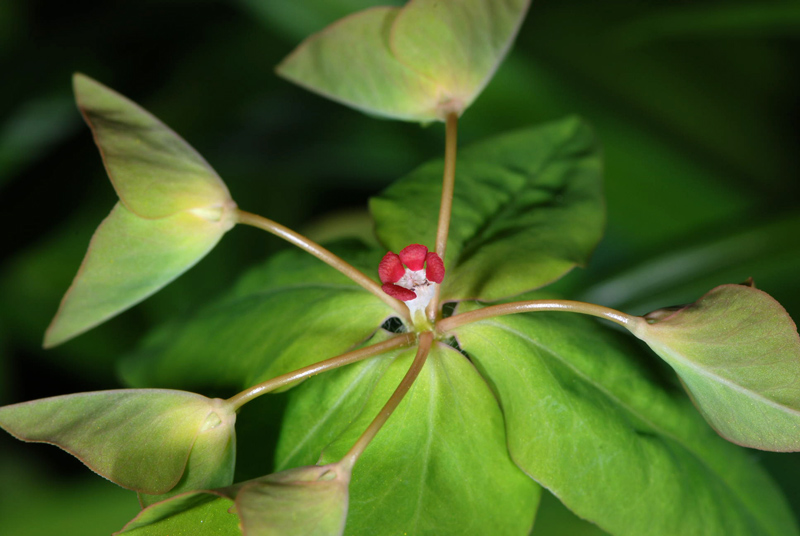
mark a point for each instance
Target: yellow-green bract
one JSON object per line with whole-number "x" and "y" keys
{"x": 173, "y": 209}
{"x": 416, "y": 63}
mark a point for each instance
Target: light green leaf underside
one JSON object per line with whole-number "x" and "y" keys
{"x": 528, "y": 207}
{"x": 288, "y": 313}
{"x": 154, "y": 171}
{"x": 459, "y": 45}
{"x": 586, "y": 421}
{"x": 350, "y": 62}
{"x": 212, "y": 461}
{"x": 439, "y": 465}
{"x": 129, "y": 259}
{"x": 137, "y": 438}
{"x": 738, "y": 353}
{"x": 310, "y": 501}
{"x": 415, "y": 63}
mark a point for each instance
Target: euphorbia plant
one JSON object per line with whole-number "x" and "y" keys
{"x": 453, "y": 389}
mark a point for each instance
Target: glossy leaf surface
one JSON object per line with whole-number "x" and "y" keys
{"x": 738, "y": 354}
{"x": 617, "y": 446}
{"x": 154, "y": 171}
{"x": 528, "y": 207}
{"x": 129, "y": 259}
{"x": 288, "y": 313}
{"x": 416, "y": 63}
{"x": 140, "y": 439}
{"x": 439, "y": 465}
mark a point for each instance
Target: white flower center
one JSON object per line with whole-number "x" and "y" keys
{"x": 417, "y": 281}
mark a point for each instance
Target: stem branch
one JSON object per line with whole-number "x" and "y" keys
{"x": 448, "y": 183}
{"x": 425, "y": 341}
{"x": 263, "y": 388}
{"x": 570, "y": 306}
{"x": 325, "y": 256}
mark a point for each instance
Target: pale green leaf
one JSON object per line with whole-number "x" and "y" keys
{"x": 212, "y": 461}
{"x": 310, "y": 501}
{"x": 416, "y": 63}
{"x": 290, "y": 312}
{"x": 459, "y": 45}
{"x": 154, "y": 171}
{"x": 438, "y": 466}
{"x": 129, "y": 259}
{"x": 140, "y": 439}
{"x": 350, "y": 62}
{"x": 173, "y": 209}
{"x": 586, "y": 420}
{"x": 528, "y": 207}
{"x": 738, "y": 354}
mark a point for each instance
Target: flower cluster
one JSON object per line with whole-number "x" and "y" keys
{"x": 411, "y": 276}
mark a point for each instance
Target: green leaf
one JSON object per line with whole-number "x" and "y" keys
{"x": 438, "y": 466}
{"x": 173, "y": 209}
{"x": 129, "y": 259}
{"x": 199, "y": 513}
{"x": 528, "y": 207}
{"x": 288, "y": 313}
{"x": 306, "y": 500}
{"x": 140, "y": 439}
{"x": 554, "y": 519}
{"x": 586, "y": 420}
{"x": 738, "y": 354}
{"x": 343, "y": 392}
{"x": 416, "y": 63}
{"x": 154, "y": 171}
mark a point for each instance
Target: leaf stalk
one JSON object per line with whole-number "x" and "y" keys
{"x": 251, "y": 393}
{"x": 446, "y": 206}
{"x": 325, "y": 256}
{"x": 425, "y": 342}
{"x": 627, "y": 321}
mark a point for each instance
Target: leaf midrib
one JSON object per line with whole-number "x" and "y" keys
{"x": 726, "y": 382}
{"x": 471, "y": 243}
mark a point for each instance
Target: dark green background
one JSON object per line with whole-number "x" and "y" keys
{"x": 694, "y": 101}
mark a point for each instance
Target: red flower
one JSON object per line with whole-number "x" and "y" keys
{"x": 411, "y": 275}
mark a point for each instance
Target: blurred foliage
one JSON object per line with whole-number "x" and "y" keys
{"x": 694, "y": 102}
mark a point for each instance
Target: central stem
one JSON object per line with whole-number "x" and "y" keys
{"x": 425, "y": 342}
{"x": 446, "y": 206}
